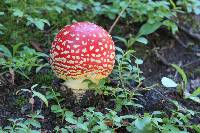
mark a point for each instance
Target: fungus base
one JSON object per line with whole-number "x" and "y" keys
{"x": 77, "y": 86}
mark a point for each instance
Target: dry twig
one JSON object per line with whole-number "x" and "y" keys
{"x": 36, "y": 46}
{"x": 190, "y": 33}
{"x": 161, "y": 58}
{"x": 117, "y": 19}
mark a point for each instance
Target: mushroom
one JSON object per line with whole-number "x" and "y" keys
{"x": 82, "y": 51}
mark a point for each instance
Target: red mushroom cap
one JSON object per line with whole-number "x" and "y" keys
{"x": 82, "y": 50}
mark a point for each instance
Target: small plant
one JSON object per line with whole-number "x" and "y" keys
{"x": 122, "y": 97}
{"x": 93, "y": 121}
{"x": 182, "y": 87}
{"x": 123, "y": 73}
{"x": 125, "y": 98}
{"x": 56, "y": 108}
{"x": 21, "y": 61}
{"x": 145, "y": 30}
{"x": 21, "y": 125}
{"x": 34, "y": 94}
{"x": 157, "y": 121}
{"x": 124, "y": 70}
{"x": 111, "y": 121}
{"x": 191, "y": 6}
{"x": 160, "y": 122}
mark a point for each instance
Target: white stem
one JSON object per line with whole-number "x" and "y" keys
{"x": 78, "y": 86}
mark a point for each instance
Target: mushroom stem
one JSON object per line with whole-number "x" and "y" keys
{"x": 77, "y": 86}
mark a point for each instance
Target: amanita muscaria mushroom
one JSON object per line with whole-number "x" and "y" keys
{"x": 82, "y": 51}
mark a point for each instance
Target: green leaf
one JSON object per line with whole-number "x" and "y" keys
{"x": 63, "y": 130}
{"x": 17, "y": 13}
{"x": 148, "y": 28}
{"x": 173, "y": 4}
{"x": 169, "y": 128}
{"x": 33, "y": 86}
{"x": 196, "y": 128}
{"x": 197, "y": 11}
{"x": 33, "y": 123}
{"x": 16, "y": 48}
{"x": 1, "y": 25}
{"x": 142, "y": 40}
{"x": 82, "y": 126}
{"x": 196, "y": 92}
{"x": 157, "y": 120}
{"x": 121, "y": 39}
{"x": 41, "y": 66}
{"x": 138, "y": 61}
{"x": 69, "y": 117}
{"x": 41, "y": 96}
{"x": 167, "y": 82}
{"x": 42, "y": 54}
{"x": 120, "y": 50}
{"x": 39, "y": 24}
{"x": 196, "y": 99}
{"x": 142, "y": 123}
{"x": 45, "y": 21}
{"x": 128, "y": 117}
{"x": 5, "y": 51}
{"x": 35, "y": 131}
{"x": 75, "y": 6}
{"x": 182, "y": 73}
{"x": 171, "y": 25}
{"x": 56, "y": 109}
{"x": 194, "y": 95}
{"x": 58, "y": 9}
{"x": 2, "y": 13}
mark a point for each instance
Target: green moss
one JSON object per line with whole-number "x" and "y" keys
{"x": 44, "y": 79}
{"x": 21, "y": 100}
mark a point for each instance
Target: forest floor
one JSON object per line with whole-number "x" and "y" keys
{"x": 164, "y": 49}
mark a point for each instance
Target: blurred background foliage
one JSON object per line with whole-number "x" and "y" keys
{"x": 22, "y": 21}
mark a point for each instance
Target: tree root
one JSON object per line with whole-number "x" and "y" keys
{"x": 190, "y": 32}
{"x": 176, "y": 37}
